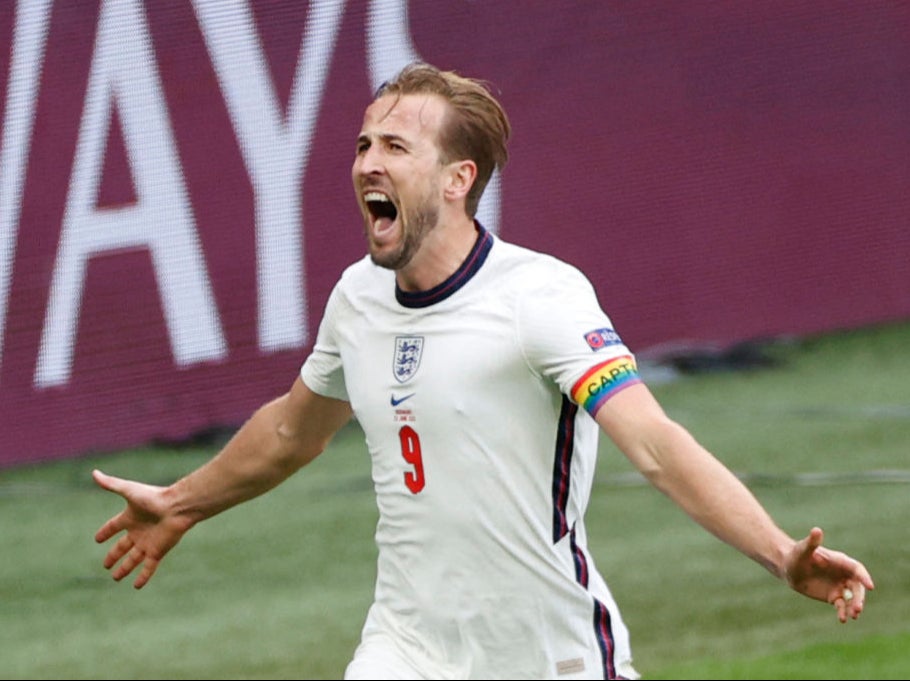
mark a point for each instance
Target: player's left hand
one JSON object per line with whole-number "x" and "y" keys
{"x": 829, "y": 576}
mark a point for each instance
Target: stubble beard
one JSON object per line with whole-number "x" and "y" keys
{"x": 414, "y": 228}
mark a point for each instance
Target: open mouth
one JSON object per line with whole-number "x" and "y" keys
{"x": 382, "y": 210}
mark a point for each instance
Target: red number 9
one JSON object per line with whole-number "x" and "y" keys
{"x": 410, "y": 451}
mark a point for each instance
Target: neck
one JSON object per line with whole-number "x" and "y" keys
{"x": 442, "y": 252}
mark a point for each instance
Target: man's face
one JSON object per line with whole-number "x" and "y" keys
{"x": 398, "y": 176}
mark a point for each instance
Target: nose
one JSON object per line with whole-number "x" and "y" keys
{"x": 369, "y": 162}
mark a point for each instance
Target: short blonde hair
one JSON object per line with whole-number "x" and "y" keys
{"x": 476, "y": 126}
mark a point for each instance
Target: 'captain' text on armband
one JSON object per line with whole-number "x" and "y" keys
{"x": 603, "y": 381}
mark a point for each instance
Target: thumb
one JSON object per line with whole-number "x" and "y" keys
{"x": 108, "y": 482}
{"x": 815, "y": 539}
{"x": 805, "y": 548}
{"x": 801, "y": 558}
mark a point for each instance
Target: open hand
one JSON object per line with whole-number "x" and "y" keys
{"x": 150, "y": 531}
{"x": 829, "y": 576}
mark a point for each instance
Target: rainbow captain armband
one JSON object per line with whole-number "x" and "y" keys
{"x": 603, "y": 381}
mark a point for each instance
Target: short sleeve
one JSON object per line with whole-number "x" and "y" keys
{"x": 322, "y": 371}
{"x": 569, "y": 339}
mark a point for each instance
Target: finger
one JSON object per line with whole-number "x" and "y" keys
{"x": 850, "y": 601}
{"x": 118, "y": 550}
{"x": 856, "y": 575}
{"x": 817, "y": 558}
{"x": 130, "y": 561}
{"x": 815, "y": 539}
{"x": 101, "y": 479}
{"x": 108, "y": 530}
{"x": 841, "y": 606}
{"x": 810, "y": 548}
{"x": 108, "y": 482}
{"x": 148, "y": 569}
{"x": 855, "y": 604}
{"x": 862, "y": 574}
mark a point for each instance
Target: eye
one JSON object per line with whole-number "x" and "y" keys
{"x": 362, "y": 146}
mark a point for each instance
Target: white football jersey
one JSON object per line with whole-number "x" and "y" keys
{"x": 476, "y": 399}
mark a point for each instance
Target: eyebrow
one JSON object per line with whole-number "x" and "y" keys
{"x": 385, "y": 137}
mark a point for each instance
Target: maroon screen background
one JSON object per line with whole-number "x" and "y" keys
{"x": 722, "y": 171}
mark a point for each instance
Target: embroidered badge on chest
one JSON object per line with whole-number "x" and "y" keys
{"x": 406, "y": 361}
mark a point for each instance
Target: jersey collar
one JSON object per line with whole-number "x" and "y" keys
{"x": 459, "y": 278}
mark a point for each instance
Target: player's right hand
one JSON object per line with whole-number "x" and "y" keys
{"x": 150, "y": 531}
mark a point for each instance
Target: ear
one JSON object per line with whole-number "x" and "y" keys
{"x": 460, "y": 179}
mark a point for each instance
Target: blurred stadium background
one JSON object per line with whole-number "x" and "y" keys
{"x": 175, "y": 205}
{"x": 175, "y": 197}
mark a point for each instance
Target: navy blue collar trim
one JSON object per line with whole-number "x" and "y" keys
{"x": 459, "y": 278}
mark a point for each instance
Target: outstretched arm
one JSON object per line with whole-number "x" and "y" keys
{"x": 674, "y": 462}
{"x": 281, "y": 437}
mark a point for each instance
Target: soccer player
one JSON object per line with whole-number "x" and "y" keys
{"x": 481, "y": 373}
